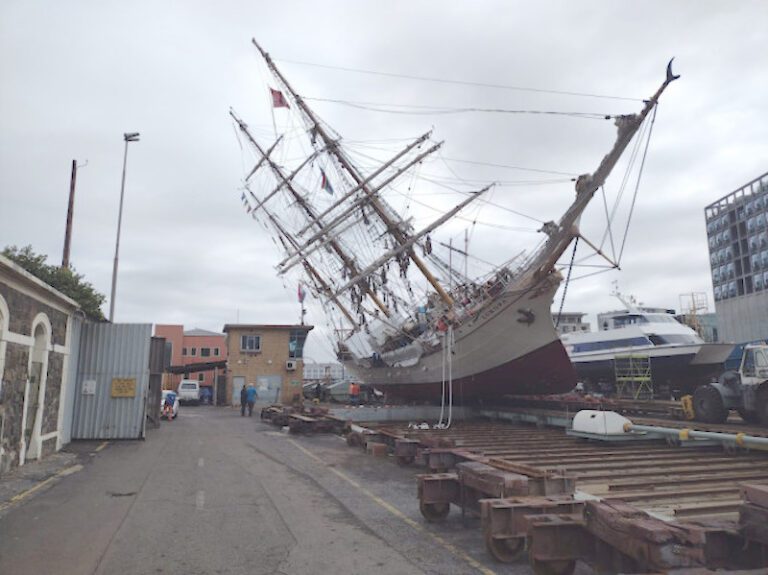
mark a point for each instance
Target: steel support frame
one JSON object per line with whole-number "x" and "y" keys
{"x": 507, "y": 522}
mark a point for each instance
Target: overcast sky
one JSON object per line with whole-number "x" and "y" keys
{"x": 75, "y": 75}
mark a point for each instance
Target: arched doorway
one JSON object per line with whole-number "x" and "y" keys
{"x": 34, "y": 394}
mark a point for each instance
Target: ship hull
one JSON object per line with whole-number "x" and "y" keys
{"x": 671, "y": 368}
{"x": 509, "y": 348}
{"x": 546, "y": 370}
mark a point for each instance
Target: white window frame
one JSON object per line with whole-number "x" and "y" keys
{"x": 247, "y": 349}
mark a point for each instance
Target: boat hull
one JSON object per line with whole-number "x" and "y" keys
{"x": 510, "y": 347}
{"x": 671, "y": 368}
{"x": 547, "y": 370}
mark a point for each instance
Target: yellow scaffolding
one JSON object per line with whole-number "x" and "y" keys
{"x": 633, "y": 376}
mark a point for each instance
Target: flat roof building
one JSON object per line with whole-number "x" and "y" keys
{"x": 568, "y": 322}
{"x": 268, "y": 356}
{"x": 737, "y": 231}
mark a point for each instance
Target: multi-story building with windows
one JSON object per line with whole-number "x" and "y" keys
{"x": 570, "y": 322}
{"x": 325, "y": 372}
{"x": 268, "y": 356}
{"x": 737, "y": 231}
{"x": 192, "y": 348}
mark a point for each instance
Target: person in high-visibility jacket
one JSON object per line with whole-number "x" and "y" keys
{"x": 354, "y": 393}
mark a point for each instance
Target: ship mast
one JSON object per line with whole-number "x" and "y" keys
{"x": 284, "y": 181}
{"x": 285, "y": 238}
{"x": 394, "y": 228}
{"x": 566, "y": 230}
{"x": 285, "y": 265}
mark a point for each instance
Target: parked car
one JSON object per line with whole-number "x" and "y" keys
{"x": 189, "y": 391}
{"x": 166, "y": 393}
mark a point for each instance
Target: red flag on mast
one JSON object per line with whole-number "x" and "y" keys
{"x": 278, "y": 100}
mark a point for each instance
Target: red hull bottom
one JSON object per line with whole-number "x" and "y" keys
{"x": 548, "y": 370}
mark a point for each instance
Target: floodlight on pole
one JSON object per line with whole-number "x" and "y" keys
{"x": 127, "y": 137}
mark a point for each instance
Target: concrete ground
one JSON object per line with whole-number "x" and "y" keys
{"x": 212, "y": 492}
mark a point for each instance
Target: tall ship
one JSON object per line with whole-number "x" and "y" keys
{"x": 401, "y": 317}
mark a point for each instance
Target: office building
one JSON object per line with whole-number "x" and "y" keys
{"x": 737, "y": 232}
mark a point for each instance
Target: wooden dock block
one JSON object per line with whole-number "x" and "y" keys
{"x": 377, "y": 449}
{"x": 756, "y": 494}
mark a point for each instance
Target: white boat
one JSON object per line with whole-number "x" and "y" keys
{"x": 679, "y": 358}
{"x": 487, "y": 336}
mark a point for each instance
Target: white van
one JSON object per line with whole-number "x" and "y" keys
{"x": 189, "y": 390}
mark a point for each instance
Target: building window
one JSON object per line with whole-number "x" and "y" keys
{"x": 250, "y": 343}
{"x": 205, "y": 352}
{"x": 183, "y": 351}
{"x": 216, "y": 352}
{"x": 296, "y": 343}
{"x": 193, "y": 351}
{"x": 200, "y": 377}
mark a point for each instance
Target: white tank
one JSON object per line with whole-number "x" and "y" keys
{"x": 599, "y": 422}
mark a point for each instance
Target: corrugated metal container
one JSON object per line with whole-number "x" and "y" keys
{"x": 68, "y": 397}
{"x": 109, "y": 352}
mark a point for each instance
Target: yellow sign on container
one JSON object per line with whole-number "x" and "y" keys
{"x": 123, "y": 387}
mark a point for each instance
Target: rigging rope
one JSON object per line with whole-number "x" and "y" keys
{"x": 567, "y": 280}
{"x": 447, "y": 361}
{"x": 637, "y": 183}
{"x": 459, "y": 82}
{"x": 422, "y": 110}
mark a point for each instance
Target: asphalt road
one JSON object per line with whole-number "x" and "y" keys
{"x": 215, "y": 493}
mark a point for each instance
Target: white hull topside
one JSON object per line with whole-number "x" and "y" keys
{"x": 493, "y": 338}
{"x": 652, "y": 351}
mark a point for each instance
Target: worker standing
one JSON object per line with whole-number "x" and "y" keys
{"x": 354, "y": 393}
{"x": 251, "y": 396}
{"x": 243, "y": 400}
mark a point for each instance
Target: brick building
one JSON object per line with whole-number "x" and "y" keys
{"x": 35, "y": 340}
{"x": 268, "y": 356}
{"x": 194, "y": 346}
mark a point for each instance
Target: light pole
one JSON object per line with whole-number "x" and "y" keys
{"x": 128, "y": 137}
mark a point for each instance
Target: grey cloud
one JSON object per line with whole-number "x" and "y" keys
{"x": 75, "y": 76}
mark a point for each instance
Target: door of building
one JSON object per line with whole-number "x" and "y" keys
{"x": 268, "y": 387}
{"x": 238, "y": 382}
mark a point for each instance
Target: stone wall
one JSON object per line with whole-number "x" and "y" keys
{"x": 14, "y": 378}
{"x": 52, "y": 393}
{"x": 23, "y": 310}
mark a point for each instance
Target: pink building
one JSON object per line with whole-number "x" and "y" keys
{"x": 194, "y": 346}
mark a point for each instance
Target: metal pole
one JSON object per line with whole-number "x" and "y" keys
{"x": 70, "y": 210}
{"x": 132, "y": 137}
{"x": 739, "y": 439}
